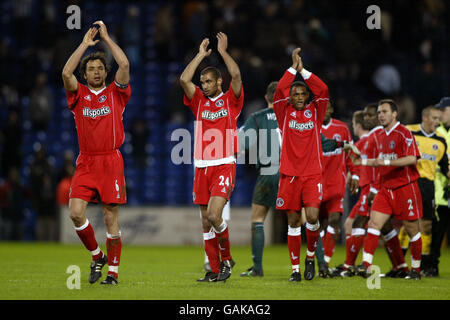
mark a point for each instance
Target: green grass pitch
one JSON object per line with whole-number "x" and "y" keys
{"x": 38, "y": 271}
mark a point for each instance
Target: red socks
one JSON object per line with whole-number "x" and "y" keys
{"x": 329, "y": 244}
{"x": 212, "y": 250}
{"x": 370, "y": 245}
{"x": 394, "y": 249}
{"x": 312, "y": 236}
{"x": 353, "y": 245}
{"x": 87, "y": 237}
{"x": 113, "y": 249}
{"x": 415, "y": 245}
{"x": 294, "y": 244}
{"x": 223, "y": 241}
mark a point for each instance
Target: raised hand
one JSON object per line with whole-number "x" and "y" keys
{"x": 222, "y": 42}
{"x": 297, "y": 63}
{"x": 102, "y": 28}
{"x": 203, "y": 49}
{"x": 89, "y": 37}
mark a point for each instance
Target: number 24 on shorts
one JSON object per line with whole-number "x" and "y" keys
{"x": 224, "y": 182}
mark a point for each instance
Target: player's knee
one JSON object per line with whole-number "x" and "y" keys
{"x": 374, "y": 225}
{"x": 212, "y": 218}
{"x": 387, "y": 228}
{"x": 425, "y": 226}
{"x": 334, "y": 221}
{"x": 76, "y": 214}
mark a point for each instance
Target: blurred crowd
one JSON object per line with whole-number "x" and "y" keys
{"x": 407, "y": 59}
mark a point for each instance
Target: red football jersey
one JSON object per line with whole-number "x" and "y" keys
{"x": 399, "y": 142}
{"x": 98, "y": 117}
{"x": 216, "y": 126}
{"x": 335, "y": 168}
{"x": 368, "y": 145}
{"x": 301, "y": 150}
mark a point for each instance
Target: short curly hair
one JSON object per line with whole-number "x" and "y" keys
{"x": 93, "y": 56}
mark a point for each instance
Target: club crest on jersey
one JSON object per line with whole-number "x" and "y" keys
{"x": 392, "y": 144}
{"x": 337, "y": 137}
{"x": 308, "y": 113}
{"x": 94, "y": 113}
{"x": 220, "y": 103}
{"x": 102, "y": 99}
{"x": 435, "y": 147}
{"x": 208, "y": 115}
{"x": 280, "y": 202}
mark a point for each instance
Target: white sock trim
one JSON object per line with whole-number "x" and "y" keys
{"x": 310, "y": 254}
{"x": 403, "y": 265}
{"x": 331, "y": 230}
{"x": 209, "y": 235}
{"x": 415, "y": 238}
{"x": 313, "y": 227}
{"x": 294, "y": 231}
{"x": 390, "y": 235}
{"x": 110, "y": 236}
{"x": 327, "y": 259}
{"x": 374, "y": 231}
{"x": 358, "y": 232}
{"x": 222, "y": 227}
{"x": 84, "y": 226}
{"x": 96, "y": 251}
{"x": 367, "y": 257}
{"x": 113, "y": 269}
{"x": 295, "y": 268}
{"x": 415, "y": 263}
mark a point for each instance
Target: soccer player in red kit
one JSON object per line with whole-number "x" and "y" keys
{"x": 334, "y": 181}
{"x": 368, "y": 179}
{"x": 99, "y": 173}
{"x": 399, "y": 195}
{"x": 215, "y": 148}
{"x": 301, "y": 158}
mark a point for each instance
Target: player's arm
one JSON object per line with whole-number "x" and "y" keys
{"x": 317, "y": 86}
{"x": 188, "y": 73}
{"x": 443, "y": 164}
{"x": 69, "y": 79}
{"x": 328, "y": 145}
{"x": 123, "y": 72}
{"x": 232, "y": 67}
{"x": 378, "y": 162}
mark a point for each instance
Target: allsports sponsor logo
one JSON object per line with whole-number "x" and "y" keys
{"x": 94, "y": 113}
{"x": 293, "y": 124}
{"x": 388, "y": 156}
{"x": 208, "y": 115}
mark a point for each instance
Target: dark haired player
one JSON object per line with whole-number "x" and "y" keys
{"x": 99, "y": 173}
{"x": 399, "y": 195}
{"x": 301, "y": 158}
{"x": 215, "y": 148}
